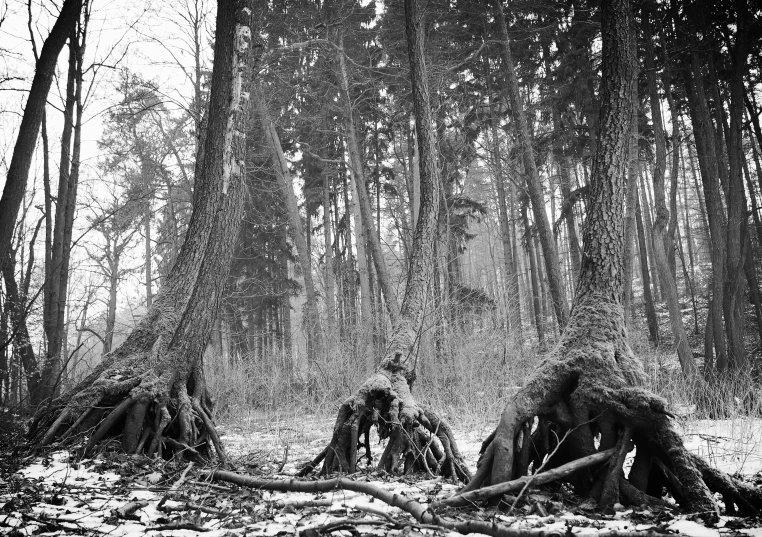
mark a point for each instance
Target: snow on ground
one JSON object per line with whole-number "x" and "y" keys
{"x": 130, "y": 496}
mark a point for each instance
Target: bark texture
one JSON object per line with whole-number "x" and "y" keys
{"x": 418, "y": 439}
{"x": 151, "y": 389}
{"x": 590, "y": 385}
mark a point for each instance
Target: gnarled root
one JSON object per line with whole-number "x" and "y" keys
{"x": 616, "y": 421}
{"x": 585, "y": 399}
{"x": 151, "y": 414}
{"x": 418, "y": 439}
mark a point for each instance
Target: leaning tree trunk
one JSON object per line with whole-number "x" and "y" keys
{"x": 590, "y": 384}
{"x": 534, "y": 185}
{"x": 26, "y": 141}
{"x": 418, "y": 439}
{"x": 151, "y": 389}
{"x": 311, "y": 315}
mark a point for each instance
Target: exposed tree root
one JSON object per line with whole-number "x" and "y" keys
{"x": 589, "y": 388}
{"x": 418, "y": 439}
{"x": 419, "y": 512}
{"x": 165, "y": 414}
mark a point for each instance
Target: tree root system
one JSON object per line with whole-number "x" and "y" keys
{"x": 157, "y": 414}
{"x": 418, "y": 439}
{"x": 584, "y": 401}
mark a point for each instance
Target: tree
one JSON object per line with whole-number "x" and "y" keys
{"x": 418, "y": 437}
{"x": 26, "y": 141}
{"x": 534, "y": 187}
{"x": 663, "y": 240}
{"x": 152, "y": 386}
{"x": 591, "y": 384}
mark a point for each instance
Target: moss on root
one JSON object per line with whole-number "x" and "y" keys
{"x": 588, "y": 393}
{"x": 419, "y": 440}
{"x": 165, "y": 414}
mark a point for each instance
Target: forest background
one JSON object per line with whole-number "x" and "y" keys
{"x": 332, "y": 182}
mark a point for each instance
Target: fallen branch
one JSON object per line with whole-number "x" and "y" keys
{"x": 479, "y": 495}
{"x": 419, "y": 512}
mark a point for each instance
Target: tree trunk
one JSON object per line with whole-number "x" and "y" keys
{"x": 358, "y": 177}
{"x": 156, "y": 377}
{"x": 26, "y": 140}
{"x": 513, "y": 300}
{"x": 330, "y": 293}
{"x": 18, "y": 312}
{"x": 418, "y": 438}
{"x": 705, "y": 149}
{"x": 662, "y": 241}
{"x": 631, "y": 230}
{"x": 645, "y": 274}
{"x": 534, "y": 186}
{"x": 590, "y": 384}
{"x": 311, "y": 315}
{"x": 736, "y": 199}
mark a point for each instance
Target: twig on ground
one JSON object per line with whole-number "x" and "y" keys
{"x": 175, "y": 486}
{"x": 486, "y": 493}
{"x": 419, "y": 512}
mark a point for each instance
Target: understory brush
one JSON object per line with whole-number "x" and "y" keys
{"x": 468, "y": 377}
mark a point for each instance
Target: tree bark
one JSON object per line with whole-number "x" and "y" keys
{"x": 26, "y": 140}
{"x": 418, "y": 438}
{"x": 358, "y": 177}
{"x": 156, "y": 377}
{"x": 736, "y": 198}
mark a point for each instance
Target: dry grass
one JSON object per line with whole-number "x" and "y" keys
{"x": 469, "y": 380}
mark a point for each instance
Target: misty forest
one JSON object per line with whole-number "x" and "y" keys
{"x": 357, "y": 267}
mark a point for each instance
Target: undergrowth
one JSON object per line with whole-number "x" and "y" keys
{"x": 469, "y": 378}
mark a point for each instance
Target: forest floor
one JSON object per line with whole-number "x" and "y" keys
{"x": 119, "y": 495}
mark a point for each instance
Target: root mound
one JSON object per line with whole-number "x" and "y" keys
{"x": 154, "y": 407}
{"x": 586, "y": 398}
{"x": 419, "y": 441}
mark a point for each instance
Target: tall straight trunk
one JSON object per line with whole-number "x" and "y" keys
{"x": 26, "y": 140}
{"x": 148, "y": 255}
{"x": 700, "y": 201}
{"x": 645, "y": 275}
{"x": 686, "y": 218}
{"x": 755, "y": 209}
{"x": 675, "y": 166}
{"x": 705, "y": 150}
{"x": 736, "y": 199}
{"x": 751, "y": 107}
{"x": 367, "y": 321}
{"x": 630, "y": 231}
{"x": 534, "y": 185}
{"x": 286, "y": 183}
{"x": 562, "y": 163}
{"x": 5, "y": 379}
{"x": 648, "y": 221}
{"x": 330, "y": 293}
{"x": 57, "y": 286}
{"x": 662, "y": 241}
{"x": 358, "y": 177}
{"x": 513, "y": 300}
{"x": 534, "y": 277}
{"x": 115, "y": 254}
